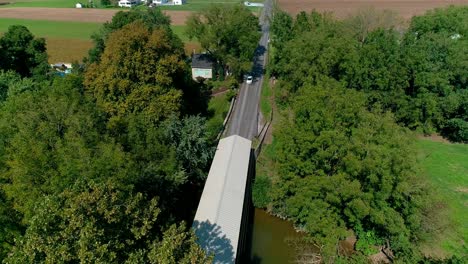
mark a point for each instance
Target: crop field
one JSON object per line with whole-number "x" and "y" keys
{"x": 446, "y": 166}
{"x": 344, "y": 8}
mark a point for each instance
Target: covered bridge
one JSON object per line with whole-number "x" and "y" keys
{"x": 222, "y": 219}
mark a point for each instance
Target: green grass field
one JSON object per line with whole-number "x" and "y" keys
{"x": 446, "y": 166}
{"x": 54, "y": 29}
{"x": 63, "y": 30}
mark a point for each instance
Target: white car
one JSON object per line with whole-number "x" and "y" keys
{"x": 249, "y": 79}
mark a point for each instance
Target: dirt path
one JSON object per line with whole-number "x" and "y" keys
{"x": 344, "y": 8}
{"x": 77, "y": 15}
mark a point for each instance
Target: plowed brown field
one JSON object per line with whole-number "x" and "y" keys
{"x": 344, "y": 8}
{"x": 78, "y": 15}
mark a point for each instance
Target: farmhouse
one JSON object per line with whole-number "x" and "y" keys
{"x": 160, "y": 2}
{"x": 128, "y": 3}
{"x": 202, "y": 66}
{"x": 179, "y": 2}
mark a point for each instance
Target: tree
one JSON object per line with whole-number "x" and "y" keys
{"x": 368, "y": 20}
{"x": 151, "y": 17}
{"x": 23, "y": 53}
{"x": 50, "y": 138}
{"x": 342, "y": 166}
{"x": 379, "y": 71}
{"x": 100, "y": 223}
{"x": 140, "y": 71}
{"x": 193, "y": 148}
{"x": 230, "y": 33}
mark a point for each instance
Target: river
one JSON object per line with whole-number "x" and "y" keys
{"x": 268, "y": 239}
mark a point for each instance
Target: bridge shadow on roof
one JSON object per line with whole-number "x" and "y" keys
{"x": 211, "y": 238}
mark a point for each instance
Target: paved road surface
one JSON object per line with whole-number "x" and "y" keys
{"x": 244, "y": 119}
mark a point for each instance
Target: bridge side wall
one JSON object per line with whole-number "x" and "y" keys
{"x": 245, "y": 236}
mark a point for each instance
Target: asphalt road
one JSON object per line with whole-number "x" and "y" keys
{"x": 244, "y": 119}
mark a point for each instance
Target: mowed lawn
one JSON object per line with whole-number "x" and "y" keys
{"x": 68, "y": 41}
{"x": 446, "y": 166}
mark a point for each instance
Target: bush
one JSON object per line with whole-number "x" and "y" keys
{"x": 367, "y": 241}
{"x": 260, "y": 191}
{"x": 456, "y": 129}
{"x": 231, "y": 94}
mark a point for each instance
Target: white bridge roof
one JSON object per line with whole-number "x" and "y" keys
{"x": 218, "y": 219}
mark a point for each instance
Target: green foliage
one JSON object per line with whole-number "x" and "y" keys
{"x": 217, "y": 110}
{"x": 193, "y": 147}
{"x": 420, "y": 76}
{"x": 140, "y": 71}
{"x": 45, "y": 149}
{"x": 231, "y": 94}
{"x": 152, "y": 18}
{"x": 99, "y": 223}
{"x": 261, "y": 191}
{"x": 84, "y": 158}
{"x": 229, "y": 33}
{"x": 367, "y": 241}
{"x": 342, "y": 166}
{"x": 23, "y": 53}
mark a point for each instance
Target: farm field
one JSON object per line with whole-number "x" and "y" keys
{"x": 446, "y": 166}
{"x": 191, "y": 5}
{"x": 54, "y": 29}
{"x": 69, "y": 41}
{"x": 78, "y": 15}
{"x": 67, "y": 50}
{"x": 344, "y": 8}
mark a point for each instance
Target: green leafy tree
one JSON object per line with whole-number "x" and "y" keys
{"x": 99, "y": 223}
{"x": 228, "y": 32}
{"x": 152, "y": 18}
{"x": 23, "y": 53}
{"x": 193, "y": 147}
{"x": 140, "y": 71}
{"x": 342, "y": 166}
{"x": 49, "y": 139}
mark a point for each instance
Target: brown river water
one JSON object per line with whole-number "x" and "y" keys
{"x": 268, "y": 239}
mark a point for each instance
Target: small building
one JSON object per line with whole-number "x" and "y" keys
{"x": 178, "y": 2}
{"x": 202, "y": 66}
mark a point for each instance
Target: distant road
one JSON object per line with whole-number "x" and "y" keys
{"x": 244, "y": 120}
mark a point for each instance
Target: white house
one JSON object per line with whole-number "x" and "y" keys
{"x": 128, "y": 3}
{"x": 160, "y": 2}
{"x": 178, "y": 2}
{"x": 202, "y": 66}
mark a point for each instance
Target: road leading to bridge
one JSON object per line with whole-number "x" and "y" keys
{"x": 244, "y": 120}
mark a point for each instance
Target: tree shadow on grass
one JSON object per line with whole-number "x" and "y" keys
{"x": 212, "y": 239}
